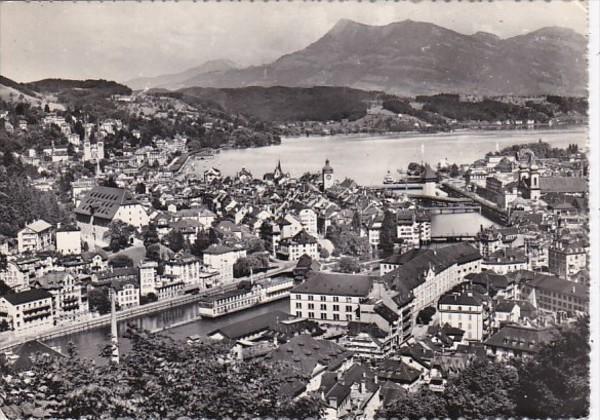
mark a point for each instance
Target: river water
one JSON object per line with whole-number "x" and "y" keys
{"x": 90, "y": 343}
{"x": 367, "y": 158}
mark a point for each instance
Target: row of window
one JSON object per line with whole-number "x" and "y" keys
{"x": 323, "y": 316}
{"x": 324, "y": 298}
{"x": 336, "y": 308}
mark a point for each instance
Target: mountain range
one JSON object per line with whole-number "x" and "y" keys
{"x": 411, "y": 58}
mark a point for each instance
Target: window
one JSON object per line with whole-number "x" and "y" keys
{"x": 336, "y": 317}
{"x": 311, "y": 314}
{"x": 323, "y": 307}
{"x": 348, "y": 308}
{"x": 311, "y": 306}
{"x": 298, "y": 305}
{"x": 323, "y": 298}
{"x": 336, "y": 307}
{"x": 348, "y": 317}
{"x": 323, "y": 316}
{"x": 336, "y": 299}
{"x": 311, "y": 297}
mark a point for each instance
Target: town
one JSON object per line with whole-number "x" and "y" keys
{"x": 122, "y": 224}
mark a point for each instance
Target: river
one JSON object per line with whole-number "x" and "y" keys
{"x": 367, "y": 158}
{"x": 90, "y": 343}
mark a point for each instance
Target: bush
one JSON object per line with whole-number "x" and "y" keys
{"x": 425, "y": 316}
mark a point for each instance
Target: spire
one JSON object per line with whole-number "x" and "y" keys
{"x": 114, "y": 337}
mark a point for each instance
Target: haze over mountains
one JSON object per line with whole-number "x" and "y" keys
{"x": 410, "y": 58}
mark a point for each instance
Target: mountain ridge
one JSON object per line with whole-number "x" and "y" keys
{"x": 410, "y": 58}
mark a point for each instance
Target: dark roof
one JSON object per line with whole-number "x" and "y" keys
{"x": 251, "y": 326}
{"x": 466, "y": 299}
{"x": 218, "y": 249}
{"x": 25, "y": 351}
{"x": 488, "y": 278}
{"x": 521, "y": 338}
{"x": 355, "y": 328}
{"x": 563, "y": 184}
{"x": 336, "y": 284}
{"x": 397, "y": 371}
{"x": 385, "y": 312}
{"x": 302, "y": 238}
{"x": 411, "y": 274}
{"x": 104, "y": 202}
{"x": 27, "y": 296}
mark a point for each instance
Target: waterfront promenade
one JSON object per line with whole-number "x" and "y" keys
{"x": 9, "y": 339}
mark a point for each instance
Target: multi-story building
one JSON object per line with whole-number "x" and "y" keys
{"x": 222, "y": 259}
{"x": 28, "y": 311}
{"x": 185, "y": 268}
{"x": 35, "y": 237}
{"x": 21, "y": 272}
{"x": 565, "y": 259}
{"x": 68, "y": 240}
{"x": 101, "y": 206}
{"x": 413, "y": 227}
{"x": 301, "y": 244}
{"x": 466, "y": 310}
{"x": 505, "y": 261}
{"x": 431, "y": 273}
{"x": 330, "y": 298}
{"x": 308, "y": 219}
{"x": 67, "y": 296}
{"x": 553, "y": 294}
{"x": 127, "y": 292}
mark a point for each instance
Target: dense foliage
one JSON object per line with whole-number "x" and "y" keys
{"x": 347, "y": 241}
{"x": 553, "y": 384}
{"x": 158, "y": 378}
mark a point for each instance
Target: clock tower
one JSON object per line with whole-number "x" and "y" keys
{"x": 327, "y": 176}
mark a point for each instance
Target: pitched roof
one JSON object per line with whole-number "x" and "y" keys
{"x": 104, "y": 202}
{"x": 397, "y": 371}
{"x": 27, "y": 296}
{"x": 335, "y": 284}
{"x": 563, "y": 184}
{"x": 38, "y": 225}
{"x": 521, "y": 338}
{"x": 411, "y": 274}
{"x": 251, "y": 326}
{"x": 25, "y": 351}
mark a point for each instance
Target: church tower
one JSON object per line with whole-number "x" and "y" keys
{"x": 534, "y": 183}
{"x": 327, "y": 174}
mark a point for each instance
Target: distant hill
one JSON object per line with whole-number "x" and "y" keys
{"x": 178, "y": 80}
{"x": 412, "y": 58}
{"x": 279, "y": 103}
{"x": 82, "y": 94}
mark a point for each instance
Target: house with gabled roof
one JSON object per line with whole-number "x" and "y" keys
{"x": 103, "y": 205}
{"x": 37, "y": 236}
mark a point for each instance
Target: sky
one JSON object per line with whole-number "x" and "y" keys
{"x": 124, "y": 40}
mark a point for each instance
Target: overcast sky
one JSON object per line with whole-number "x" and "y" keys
{"x": 124, "y": 40}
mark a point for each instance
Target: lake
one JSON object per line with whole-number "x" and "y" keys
{"x": 367, "y": 158}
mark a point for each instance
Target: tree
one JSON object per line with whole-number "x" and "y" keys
{"x": 356, "y": 222}
{"x": 140, "y": 188}
{"x": 323, "y": 253}
{"x": 389, "y": 233}
{"x": 454, "y": 172}
{"x": 98, "y": 300}
{"x": 348, "y": 265}
{"x": 421, "y": 404}
{"x": 485, "y": 388}
{"x": 555, "y": 383}
{"x": 120, "y": 261}
{"x": 119, "y": 234}
{"x": 196, "y": 380}
{"x": 110, "y": 182}
{"x": 201, "y": 243}
{"x": 425, "y": 315}
{"x": 175, "y": 240}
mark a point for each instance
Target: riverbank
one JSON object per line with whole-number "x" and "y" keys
{"x": 375, "y": 155}
{"x": 10, "y": 339}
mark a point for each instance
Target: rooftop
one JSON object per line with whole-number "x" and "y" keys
{"x": 336, "y": 285}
